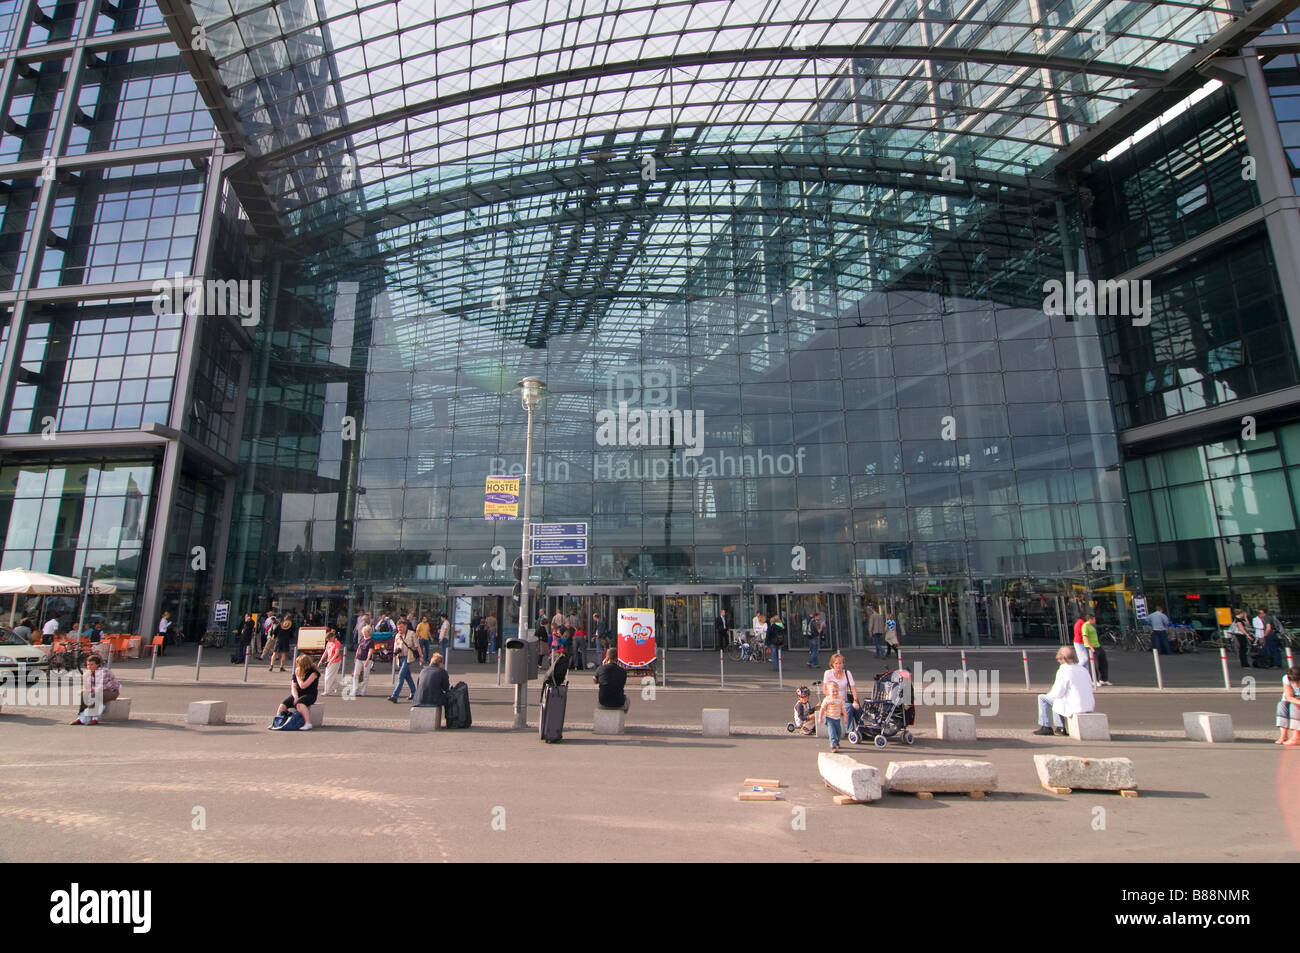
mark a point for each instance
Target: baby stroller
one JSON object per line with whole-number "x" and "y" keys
{"x": 887, "y": 713}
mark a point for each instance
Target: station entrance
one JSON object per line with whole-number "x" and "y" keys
{"x": 585, "y": 601}
{"x": 795, "y": 603}
{"x": 686, "y": 614}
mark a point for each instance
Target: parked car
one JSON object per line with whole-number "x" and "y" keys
{"x": 17, "y": 651}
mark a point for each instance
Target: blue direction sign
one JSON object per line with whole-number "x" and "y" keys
{"x": 558, "y": 529}
{"x": 562, "y": 544}
{"x": 560, "y": 559}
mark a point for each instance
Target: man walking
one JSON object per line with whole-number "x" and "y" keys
{"x": 1159, "y": 630}
{"x": 816, "y": 630}
{"x": 876, "y": 629}
{"x": 444, "y": 636}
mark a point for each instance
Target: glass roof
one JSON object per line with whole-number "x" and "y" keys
{"x": 572, "y": 152}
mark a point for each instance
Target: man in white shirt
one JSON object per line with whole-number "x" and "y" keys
{"x": 1071, "y": 694}
{"x": 444, "y": 638}
{"x": 50, "y": 629}
{"x": 1159, "y": 630}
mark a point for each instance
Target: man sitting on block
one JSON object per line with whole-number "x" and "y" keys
{"x": 612, "y": 679}
{"x": 432, "y": 687}
{"x": 1071, "y": 694}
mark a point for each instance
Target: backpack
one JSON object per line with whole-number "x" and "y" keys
{"x": 386, "y": 625}
{"x": 290, "y": 720}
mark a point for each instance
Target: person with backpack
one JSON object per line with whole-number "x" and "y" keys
{"x": 816, "y": 629}
{"x": 481, "y": 638}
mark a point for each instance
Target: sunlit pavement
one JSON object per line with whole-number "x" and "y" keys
{"x": 364, "y": 788}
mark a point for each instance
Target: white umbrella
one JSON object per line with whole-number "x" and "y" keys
{"x": 25, "y": 582}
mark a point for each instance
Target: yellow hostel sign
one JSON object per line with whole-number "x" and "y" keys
{"x": 501, "y": 498}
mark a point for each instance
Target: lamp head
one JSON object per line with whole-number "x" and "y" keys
{"x": 532, "y": 388}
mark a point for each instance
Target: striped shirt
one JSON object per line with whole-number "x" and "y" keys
{"x": 831, "y": 708}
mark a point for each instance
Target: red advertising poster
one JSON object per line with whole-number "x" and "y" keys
{"x": 636, "y": 638}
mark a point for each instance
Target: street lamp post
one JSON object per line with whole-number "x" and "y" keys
{"x": 530, "y": 396}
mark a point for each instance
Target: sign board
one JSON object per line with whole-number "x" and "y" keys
{"x": 562, "y": 544}
{"x": 311, "y": 639}
{"x": 1223, "y": 616}
{"x": 542, "y": 560}
{"x": 460, "y": 634}
{"x": 543, "y": 530}
{"x": 501, "y": 498}
{"x": 221, "y": 612}
{"x": 636, "y": 638}
{"x": 1140, "y": 607}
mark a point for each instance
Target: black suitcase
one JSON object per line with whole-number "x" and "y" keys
{"x": 457, "y": 712}
{"x": 550, "y": 723}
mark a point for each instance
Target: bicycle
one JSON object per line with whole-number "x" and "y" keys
{"x": 214, "y": 638}
{"x": 744, "y": 651}
{"x": 1110, "y": 638}
{"x": 69, "y": 658}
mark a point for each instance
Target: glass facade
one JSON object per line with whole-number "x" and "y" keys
{"x": 786, "y": 283}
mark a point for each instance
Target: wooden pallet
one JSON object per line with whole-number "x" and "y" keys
{"x": 1123, "y": 792}
{"x": 843, "y": 799}
{"x": 763, "y": 782}
{"x": 929, "y": 795}
{"x": 758, "y": 796}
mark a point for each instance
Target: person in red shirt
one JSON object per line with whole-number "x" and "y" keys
{"x": 333, "y": 662}
{"x": 1080, "y": 644}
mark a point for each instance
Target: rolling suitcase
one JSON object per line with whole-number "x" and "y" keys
{"x": 457, "y": 712}
{"x": 550, "y": 722}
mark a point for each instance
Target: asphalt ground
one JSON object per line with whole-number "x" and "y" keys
{"x": 363, "y": 788}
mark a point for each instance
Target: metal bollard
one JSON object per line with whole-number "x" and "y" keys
{"x": 1092, "y": 663}
{"x": 198, "y": 660}
{"x": 1223, "y": 660}
{"x": 248, "y": 651}
{"x": 1290, "y": 663}
{"x": 1024, "y": 657}
{"x": 393, "y": 666}
{"x": 722, "y": 672}
{"x": 780, "y": 670}
{"x": 153, "y": 661}
{"x": 1160, "y": 681}
{"x": 963, "y": 661}
{"x": 663, "y": 674}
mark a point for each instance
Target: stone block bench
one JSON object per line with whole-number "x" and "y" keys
{"x": 856, "y": 782}
{"x": 206, "y": 713}
{"x": 716, "y": 722}
{"x": 1207, "y": 726}
{"x": 608, "y": 721}
{"x": 426, "y": 718}
{"x": 1092, "y": 726}
{"x": 317, "y": 713}
{"x": 117, "y": 710}
{"x": 1060, "y": 774}
{"x": 954, "y": 725}
{"x": 941, "y": 776}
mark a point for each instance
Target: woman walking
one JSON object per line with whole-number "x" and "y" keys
{"x": 845, "y": 688}
{"x": 361, "y": 667}
{"x": 1288, "y": 710}
{"x": 280, "y": 641}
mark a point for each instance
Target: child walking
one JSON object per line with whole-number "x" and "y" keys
{"x": 831, "y": 712}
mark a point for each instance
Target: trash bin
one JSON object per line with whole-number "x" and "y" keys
{"x": 517, "y": 662}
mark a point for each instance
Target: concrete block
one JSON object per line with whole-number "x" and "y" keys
{"x": 1207, "y": 726}
{"x": 859, "y": 781}
{"x": 317, "y": 713}
{"x": 954, "y": 725}
{"x": 608, "y": 721}
{"x": 117, "y": 710}
{"x": 427, "y": 718}
{"x": 1092, "y": 726}
{"x": 717, "y": 722}
{"x": 207, "y": 713}
{"x": 1093, "y": 774}
{"x": 941, "y": 775}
